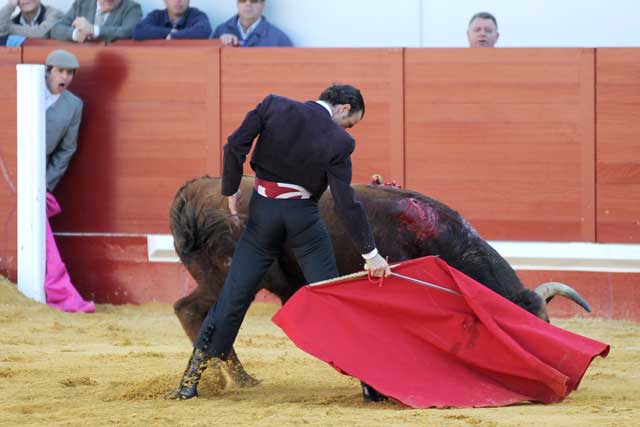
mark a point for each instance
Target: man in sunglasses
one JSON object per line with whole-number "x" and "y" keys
{"x": 249, "y": 28}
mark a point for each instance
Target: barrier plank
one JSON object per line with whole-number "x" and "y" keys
{"x": 505, "y": 136}
{"x": 611, "y": 295}
{"x": 148, "y": 119}
{"x": 618, "y": 146}
{"x": 10, "y": 55}
{"x": 248, "y": 75}
{"x": 8, "y": 167}
{"x": 115, "y": 270}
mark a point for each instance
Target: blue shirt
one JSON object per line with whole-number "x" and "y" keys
{"x": 194, "y": 24}
{"x": 264, "y": 35}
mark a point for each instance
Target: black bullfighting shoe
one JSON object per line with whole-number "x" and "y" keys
{"x": 370, "y": 394}
{"x": 188, "y": 386}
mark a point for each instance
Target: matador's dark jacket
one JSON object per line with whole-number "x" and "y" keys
{"x": 299, "y": 144}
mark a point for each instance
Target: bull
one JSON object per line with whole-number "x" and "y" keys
{"x": 405, "y": 224}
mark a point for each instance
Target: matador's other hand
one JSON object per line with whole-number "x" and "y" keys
{"x": 378, "y": 266}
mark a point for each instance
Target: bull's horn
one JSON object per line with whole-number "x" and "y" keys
{"x": 551, "y": 289}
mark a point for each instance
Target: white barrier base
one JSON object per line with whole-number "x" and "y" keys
{"x": 578, "y": 256}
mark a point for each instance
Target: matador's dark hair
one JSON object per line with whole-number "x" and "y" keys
{"x": 344, "y": 94}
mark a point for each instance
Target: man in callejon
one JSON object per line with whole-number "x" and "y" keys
{"x": 302, "y": 148}
{"x": 63, "y": 117}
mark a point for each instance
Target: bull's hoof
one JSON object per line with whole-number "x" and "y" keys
{"x": 370, "y": 394}
{"x": 239, "y": 376}
{"x": 245, "y": 381}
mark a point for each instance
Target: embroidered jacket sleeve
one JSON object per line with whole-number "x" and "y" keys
{"x": 347, "y": 206}
{"x": 239, "y": 144}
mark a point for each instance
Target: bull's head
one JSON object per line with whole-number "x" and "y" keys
{"x": 547, "y": 291}
{"x": 535, "y": 302}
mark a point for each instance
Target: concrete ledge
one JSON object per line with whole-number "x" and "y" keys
{"x": 571, "y": 256}
{"x": 578, "y": 256}
{"x": 160, "y": 248}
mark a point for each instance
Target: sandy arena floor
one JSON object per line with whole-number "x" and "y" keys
{"x": 113, "y": 367}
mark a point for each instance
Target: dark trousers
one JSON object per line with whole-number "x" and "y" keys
{"x": 272, "y": 223}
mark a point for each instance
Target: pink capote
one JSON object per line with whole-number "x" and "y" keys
{"x": 427, "y": 348}
{"x": 60, "y": 292}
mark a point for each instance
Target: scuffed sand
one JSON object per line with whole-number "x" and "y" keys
{"x": 113, "y": 367}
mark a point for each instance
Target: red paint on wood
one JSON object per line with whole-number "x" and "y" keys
{"x": 8, "y": 165}
{"x": 618, "y": 137}
{"x": 505, "y": 137}
{"x": 115, "y": 270}
{"x": 611, "y": 295}
{"x": 248, "y": 75}
{"x": 149, "y": 124}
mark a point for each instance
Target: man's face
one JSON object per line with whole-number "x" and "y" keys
{"x": 482, "y": 33}
{"x": 344, "y": 118}
{"x": 250, "y": 10}
{"x": 28, "y": 6}
{"x": 176, "y": 7}
{"x": 59, "y": 79}
{"x": 108, "y": 5}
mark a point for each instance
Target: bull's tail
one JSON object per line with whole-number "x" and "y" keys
{"x": 184, "y": 225}
{"x": 196, "y": 220}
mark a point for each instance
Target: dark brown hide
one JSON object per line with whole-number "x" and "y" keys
{"x": 405, "y": 225}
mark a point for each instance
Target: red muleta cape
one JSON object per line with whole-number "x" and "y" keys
{"x": 428, "y": 348}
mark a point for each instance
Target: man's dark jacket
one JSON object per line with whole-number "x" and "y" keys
{"x": 298, "y": 144}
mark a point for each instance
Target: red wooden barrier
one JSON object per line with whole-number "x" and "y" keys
{"x": 148, "y": 121}
{"x": 506, "y": 136}
{"x": 250, "y": 74}
{"x": 618, "y": 143}
{"x": 611, "y": 295}
{"x": 149, "y": 117}
{"x": 10, "y": 55}
{"x": 8, "y": 163}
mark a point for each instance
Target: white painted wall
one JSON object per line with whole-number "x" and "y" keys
{"x": 437, "y": 23}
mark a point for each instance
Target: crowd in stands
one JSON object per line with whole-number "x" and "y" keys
{"x": 109, "y": 20}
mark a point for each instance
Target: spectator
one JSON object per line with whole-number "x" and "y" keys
{"x": 34, "y": 20}
{"x": 249, "y": 28}
{"x": 483, "y": 30}
{"x": 98, "y": 20}
{"x": 63, "y": 116}
{"x": 177, "y": 21}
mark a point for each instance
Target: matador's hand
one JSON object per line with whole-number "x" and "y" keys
{"x": 378, "y": 266}
{"x": 234, "y": 203}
